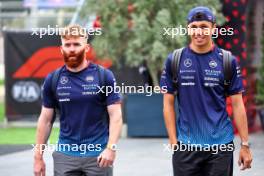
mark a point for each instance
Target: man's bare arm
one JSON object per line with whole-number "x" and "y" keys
{"x": 107, "y": 157}
{"x": 116, "y": 122}
{"x": 43, "y": 130}
{"x": 240, "y": 116}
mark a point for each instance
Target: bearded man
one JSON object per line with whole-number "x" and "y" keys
{"x": 90, "y": 119}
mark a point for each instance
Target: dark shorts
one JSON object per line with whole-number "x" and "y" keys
{"x": 203, "y": 163}
{"x": 65, "y": 165}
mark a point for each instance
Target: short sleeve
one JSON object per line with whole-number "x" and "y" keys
{"x": 236, "y": 85}
{"x": 48, "y": 99}
{"x": 113, "y": 96}
{"x": 166, "y": 76}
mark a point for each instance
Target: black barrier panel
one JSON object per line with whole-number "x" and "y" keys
{"x": 24, "y": 73}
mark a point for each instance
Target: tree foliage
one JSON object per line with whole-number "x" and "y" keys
{"x": 133, "y": 30}
{"x": 260, "y": 81}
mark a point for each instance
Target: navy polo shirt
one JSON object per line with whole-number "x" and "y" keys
{"x": 83, "y": 122}
{"x": 202, "y": 117}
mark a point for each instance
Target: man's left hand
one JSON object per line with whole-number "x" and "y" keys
{"x": 106, "y": 158}
{"x": 245, "y": 158}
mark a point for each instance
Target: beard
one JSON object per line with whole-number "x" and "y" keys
{"x": 73, "y": 60}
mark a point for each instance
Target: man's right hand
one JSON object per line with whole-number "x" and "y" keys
{"x": 173, "y": 141}
{"x": 39, "y": 167}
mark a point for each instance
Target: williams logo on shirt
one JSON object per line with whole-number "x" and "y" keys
{"x": 212, "y": 64}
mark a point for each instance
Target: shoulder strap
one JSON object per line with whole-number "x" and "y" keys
{"x": 227, "y": 63}
{"x": 54, "y": 81}
{"x": 102, "y": 82}
{"x": 176, "y": 56}
{"x": 101, "y": 75}
{"x": 102, "y": 78}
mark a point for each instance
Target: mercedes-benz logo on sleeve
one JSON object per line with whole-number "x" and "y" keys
{"x": 64, "y": 80}
{"x": 187, "y": 62}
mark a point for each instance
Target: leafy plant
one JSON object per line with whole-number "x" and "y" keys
{"x": 260, "y": 80}
{"x": 133, "y": 30}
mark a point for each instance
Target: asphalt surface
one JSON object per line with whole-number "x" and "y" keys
{"x": 136, "y": 157}
{"x": 8, "y": 149}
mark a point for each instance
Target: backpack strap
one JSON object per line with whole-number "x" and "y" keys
{"x": 55, "y": 79}
{"x": 227, "y": 63}
{"x": 102, "y": 83}
{"x": 101, "y": 75}
{"x": 102, "y": 79}
{"x": 54, "y": 82}
{"x": 175, "y": 64}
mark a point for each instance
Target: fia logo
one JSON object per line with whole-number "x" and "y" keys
{"x": 187, "y": 62}
{"x": 212, "y": 64}
{"x": 25, "y": 91}
{"x": 64, "y": 80}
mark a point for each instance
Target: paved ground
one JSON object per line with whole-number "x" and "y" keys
{"x": 136, "y": 157}
{"x": 8, "y": 149}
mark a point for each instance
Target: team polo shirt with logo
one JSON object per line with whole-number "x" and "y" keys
{"x": 83, "y": 125}
{"x": 202, "y": 117}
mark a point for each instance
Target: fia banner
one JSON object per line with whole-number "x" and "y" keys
{"x": 28, "y": 60}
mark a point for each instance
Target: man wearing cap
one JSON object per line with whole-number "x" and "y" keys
{"x": 202, "y": 135}
{"x": 90, "y": 119}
